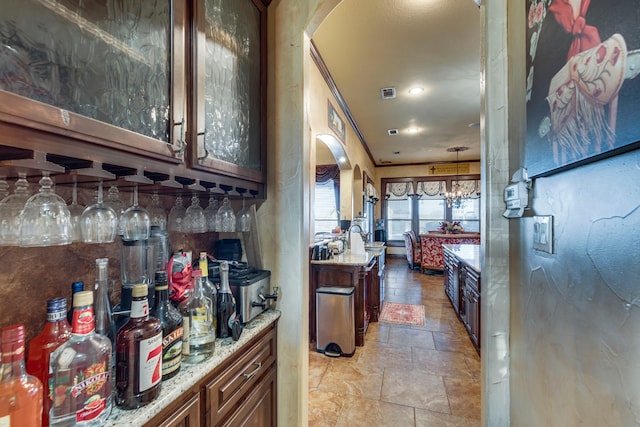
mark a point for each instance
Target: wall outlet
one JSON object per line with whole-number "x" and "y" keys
{"x": 543, "y": 233}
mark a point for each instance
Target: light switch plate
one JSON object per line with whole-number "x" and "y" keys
{"x": 543, "y": 233}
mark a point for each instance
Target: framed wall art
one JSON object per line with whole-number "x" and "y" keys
{"x": 583, "y": 89}
{"x": 336, "y": 124}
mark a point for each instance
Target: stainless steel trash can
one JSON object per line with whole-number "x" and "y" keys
{"x": 335, "y": 331}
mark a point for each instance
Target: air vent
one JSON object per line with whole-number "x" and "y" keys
{"x": 392, "y": 132}
{"x": 386, "y": 162}
{"x": 388, "y": 92}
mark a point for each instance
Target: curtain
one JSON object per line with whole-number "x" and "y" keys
{"x": 431, "y": 189}
{"x": 399, "y": 190}
{"x": 471, "y": 186}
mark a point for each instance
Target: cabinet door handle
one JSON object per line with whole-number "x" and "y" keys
{"x": 248, "y": 376}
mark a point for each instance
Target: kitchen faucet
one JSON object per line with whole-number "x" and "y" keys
{"x": 365, "y": 236}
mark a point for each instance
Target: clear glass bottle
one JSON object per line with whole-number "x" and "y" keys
{"x": 209, "y": 287}
{"x": 20, "y": 393}
{"x": 198, "y": 339}
{"x": 105, "y": 324}
{"x": 56, "y": 332}
{"x": 75, "y": 287}
{"x": 81, "y": 383}
{"x": 171, "y": 322}
{"x": 226, "y": 304}
{"x": 138, "y": 354}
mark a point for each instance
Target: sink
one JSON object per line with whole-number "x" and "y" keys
{"x": 374, "y": 245}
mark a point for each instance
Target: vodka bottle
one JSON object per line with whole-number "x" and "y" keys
{"x": 210, "y": 289}
{"x": 81, "y": 383}
{"x": 171, "y": 322}
{"x": 198, "y": 339}
{"x": 138, "y": 354}
{"x": 105, "y": 324}
{"x": 20, "y": 393}
{"x": 56, "y": 332}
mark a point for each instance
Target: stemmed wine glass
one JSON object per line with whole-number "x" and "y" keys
{"x": 135, "y": 221}
{"x": 225, "y": 217}
{"x": 99, "y": 222}
{"x": 75, "y": 212}
{"x": 114, "y": 202}
{"x": 10, "y": 208}
{"x": 45, "y": 218}
{"x": 176, "y": 215}
{"x": 210, "y": 213}
{"x": 244, "y": 218}
{"x": 157, "y": 215}
{"x": 4, "y": 187}
{"x": 194, "y": 219}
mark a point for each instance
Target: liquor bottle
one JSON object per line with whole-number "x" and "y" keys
{"x": 210, "y": 289}
{"x": 226, "y": 303}
{"x": 198, "y": 338}
{"x": 171, "y": 322}
{"x": 20, "y": 393}
{"x": 56, "y": 332}
{"x": 138, "y": 354}
{"x": 75, "y": 287}
{"x": 105, "y": 324}
{"x": 81, "y": 384}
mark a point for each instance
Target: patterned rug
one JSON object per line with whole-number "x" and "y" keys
{"x": 403, "y": 314}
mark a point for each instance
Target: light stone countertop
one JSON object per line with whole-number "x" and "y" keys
{"x": 190, "y": 375}
{"x": 349, "y": 258}
{"x": 469, "y": 254}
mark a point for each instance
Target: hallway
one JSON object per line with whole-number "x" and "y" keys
{"x": 403, "y": 375}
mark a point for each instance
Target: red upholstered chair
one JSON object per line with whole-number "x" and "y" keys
{"x": 412, "y": 246}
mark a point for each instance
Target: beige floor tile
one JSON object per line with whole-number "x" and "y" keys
{"x": 413, "y": 337}
{"x": 453, "y": 342}
{"x": 383, "y": 355}
{"x": 426, "y": 418}
{"x": 464, "y": 397}
{"x": 351, "y": 378}
{"x": 414, "y": 388}
{"x": 445, "y": 363}
{"x": 324, "y": 408}
{"x": 318, "y": 364}
{"x": 359, "y": 412}
{"x": 377, "y": 331}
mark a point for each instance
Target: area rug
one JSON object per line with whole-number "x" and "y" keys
{"x": 402, "y": 314}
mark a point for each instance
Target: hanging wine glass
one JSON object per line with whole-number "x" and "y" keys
{"x": 99, "y": 222}
{"x": 4, "y": 187}
{"x": 176, "y": 215}
{"x": 75, "y": 212}
{"x": 194, "y": 219}
{"x": 135, "y": 221}
{"x": 157, "y": 215}
{"x": 45, "y": 218}
{"x": 210, "y": 213}
{"x": 244, "y": 218}
{"x": 114, "y": 201}
{"x": 10, "y": 208}
{"x": 225, "y": 217}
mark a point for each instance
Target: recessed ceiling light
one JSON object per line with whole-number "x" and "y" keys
{"x": 413, "y": 130}
{"x": 416, "y": 90}
{"x": 396, "y": 152}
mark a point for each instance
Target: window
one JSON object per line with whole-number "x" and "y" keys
{"x": 326, "y": 211}
{"x": 424, "y": 209}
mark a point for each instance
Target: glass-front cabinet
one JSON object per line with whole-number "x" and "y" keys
{"x": 108, "y": 72}
{"x": 230, "y": 75}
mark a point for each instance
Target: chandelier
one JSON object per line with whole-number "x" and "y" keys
{"x": 456, "y": 197}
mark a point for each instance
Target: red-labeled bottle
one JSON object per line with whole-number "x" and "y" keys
{"x": 20, "y": 393}
{"x": 138, "y": 354}
{"x": 55, "y": 333}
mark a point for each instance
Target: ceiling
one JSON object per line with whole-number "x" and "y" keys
{"x": 368, "y": 45}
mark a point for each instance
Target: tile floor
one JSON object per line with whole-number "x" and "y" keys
{"x": 403, "y": 375}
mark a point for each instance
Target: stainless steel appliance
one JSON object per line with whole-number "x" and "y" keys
{"x": 250, "y": 287}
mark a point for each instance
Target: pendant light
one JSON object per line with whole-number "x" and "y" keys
{"x": 456, "y": 197}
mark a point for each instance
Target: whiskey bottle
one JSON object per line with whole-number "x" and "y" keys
{"x": 138, "y": 354}
{"x": 171, "y": 322}
{"x": 20, "y": 393}
{"x": 81, "y": 384}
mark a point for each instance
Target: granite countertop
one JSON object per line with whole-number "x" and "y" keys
{"x": 350, "y": 258}
{"x": 190, "y": 374}
{"x": 469, "y": 254}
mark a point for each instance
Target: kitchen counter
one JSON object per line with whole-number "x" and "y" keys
{"x": 349, "y": 258}
{"x": 190, "y": 375}
{"x": 469, "y": 254}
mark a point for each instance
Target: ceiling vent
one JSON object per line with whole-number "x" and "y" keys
{"x": 386, "y": 162}
{"x": 388, "y": 92}
{"x": 392, "y": 132}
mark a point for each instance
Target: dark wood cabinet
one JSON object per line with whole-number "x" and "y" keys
{"x": 186, "y": 415}
{"x": 462, "y": 286}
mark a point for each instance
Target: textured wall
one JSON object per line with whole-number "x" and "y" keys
{"x": 575, "y": 333}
